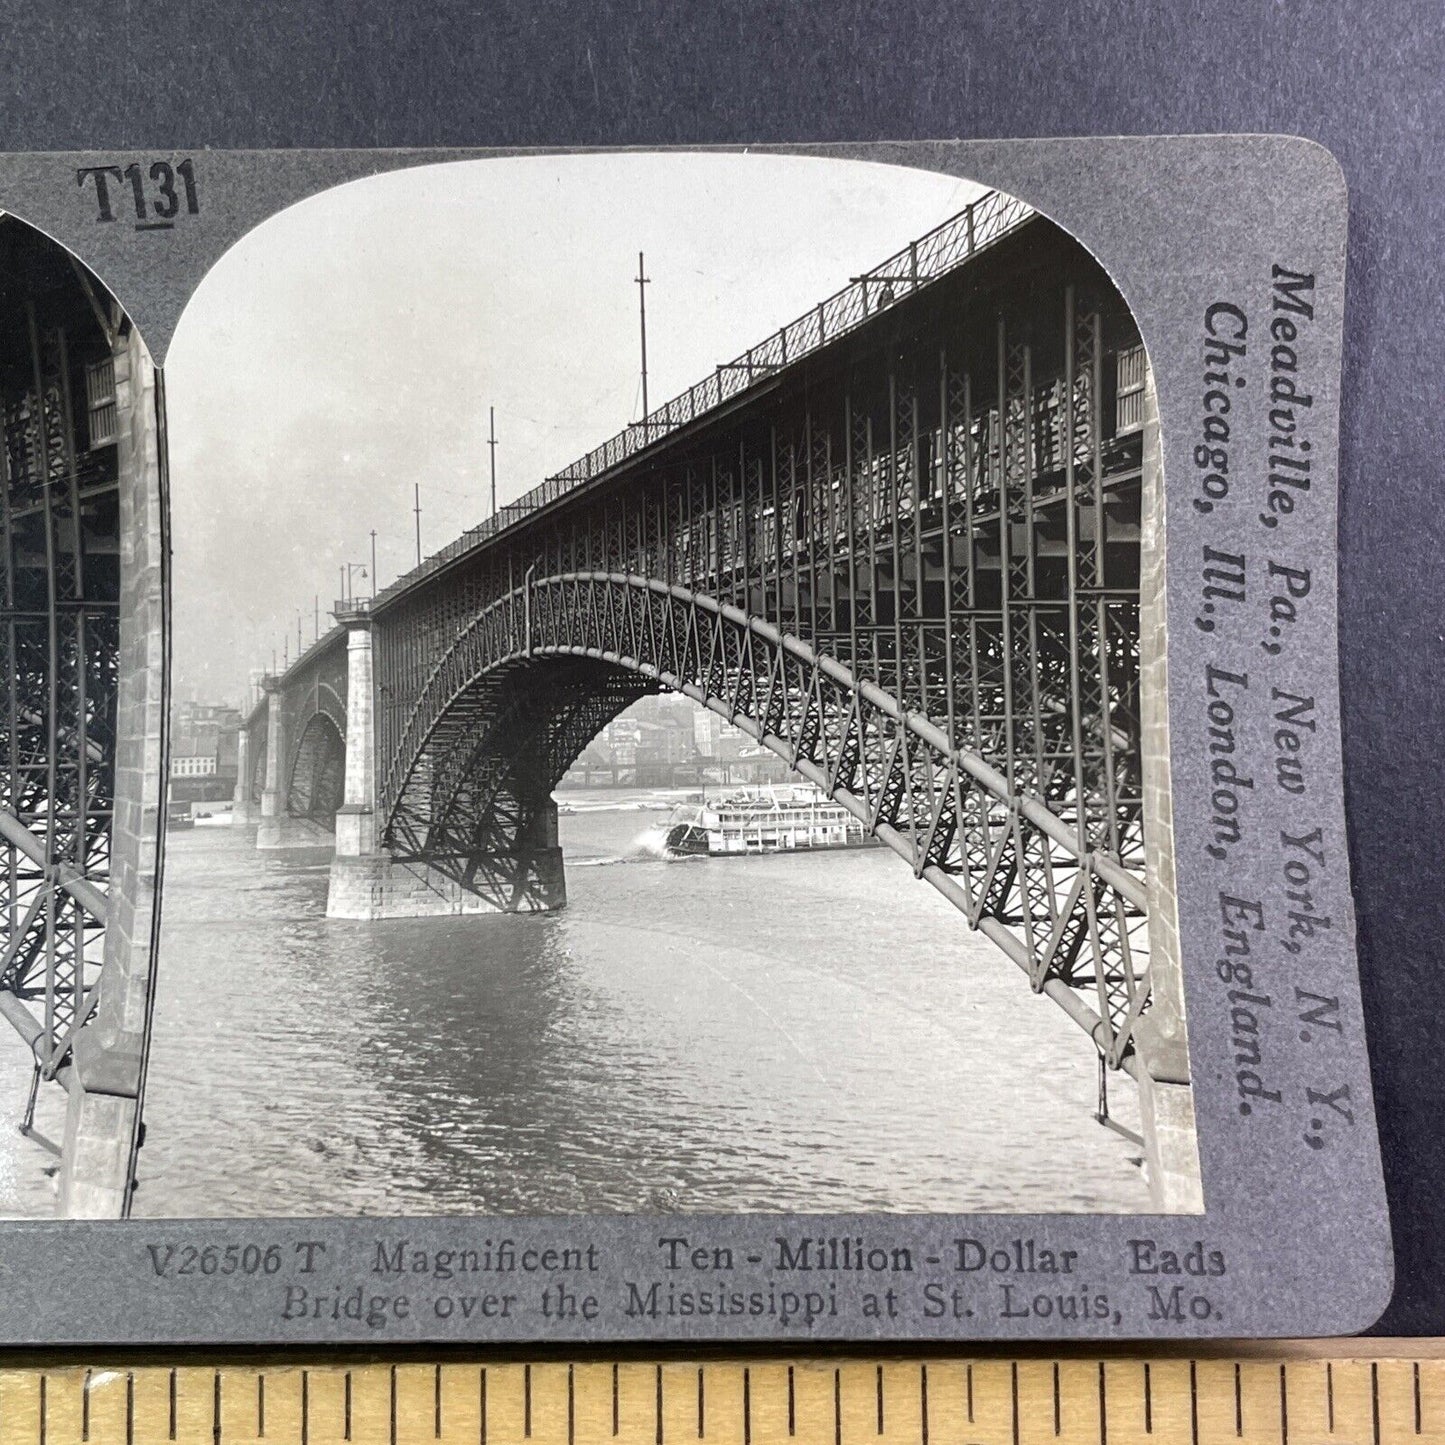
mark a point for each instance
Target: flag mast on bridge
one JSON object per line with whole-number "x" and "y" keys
{"x": 642, "y": 280}
{"x": 492, "y": 446}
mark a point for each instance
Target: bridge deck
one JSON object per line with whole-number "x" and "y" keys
{"x": 747, "y": 377}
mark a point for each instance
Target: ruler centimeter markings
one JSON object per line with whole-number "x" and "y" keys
{"x": 940, "y": 1401}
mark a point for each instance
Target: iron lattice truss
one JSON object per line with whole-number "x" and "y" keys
{"x": 909, "y": 565}
{"x": 59, "y": 645}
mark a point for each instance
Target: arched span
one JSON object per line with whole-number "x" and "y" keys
{"x": 1018, "y": 859}
{"x": 480, "y": 792}
{"x": 329, "y": 699}
{"x": 316, "y": 786}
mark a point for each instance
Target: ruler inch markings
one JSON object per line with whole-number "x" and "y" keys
{"x": 675, "y": 1404}
{"x": 1030, "y": 1400}
{"x": 770, "y": 1393}
{"x": 636, "y": 1403}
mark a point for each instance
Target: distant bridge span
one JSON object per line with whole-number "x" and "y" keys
{"x": 902, "y": 544}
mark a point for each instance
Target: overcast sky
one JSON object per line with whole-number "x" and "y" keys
{"x": 350, "y": 347}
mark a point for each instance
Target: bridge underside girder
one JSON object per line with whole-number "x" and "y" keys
{"x": 59, "y": 576}
{"x": 81, "y": 656}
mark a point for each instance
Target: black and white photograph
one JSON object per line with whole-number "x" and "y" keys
{"x": 665, "y": 713}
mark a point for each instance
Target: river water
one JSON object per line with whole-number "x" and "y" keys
{"x": 801, "y": 1032}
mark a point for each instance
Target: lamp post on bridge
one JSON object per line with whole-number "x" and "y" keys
{"x": 347, "y": 571}
{"x": 373, "y": 561}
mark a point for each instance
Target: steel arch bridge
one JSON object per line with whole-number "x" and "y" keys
{"x": 949, "y": 813}
{"x": 900, "y": 544}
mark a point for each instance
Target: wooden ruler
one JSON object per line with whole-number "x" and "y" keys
{"x": 1254, "y": 1399}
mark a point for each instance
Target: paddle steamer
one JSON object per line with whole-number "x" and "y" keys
{"x": 783, "y": 818}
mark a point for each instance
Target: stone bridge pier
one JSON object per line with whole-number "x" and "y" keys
{"x": 276, "y": 827}
{"x": 244, "y": 812}
{"x": 372, "y": 879}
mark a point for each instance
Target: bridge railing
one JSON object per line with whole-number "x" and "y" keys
{"x": 976, "y": 227}
{"x": 922, "y": 261}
